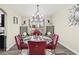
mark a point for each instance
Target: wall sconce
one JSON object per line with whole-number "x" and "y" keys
{"x": 49, "y": 22}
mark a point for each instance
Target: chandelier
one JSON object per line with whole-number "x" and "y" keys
{"x": 37, "y": 15}
{"x": 74, "y": 15}
{"x": 36, "y": 18}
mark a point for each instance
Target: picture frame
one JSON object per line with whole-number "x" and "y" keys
{"x": 15, "y": 20}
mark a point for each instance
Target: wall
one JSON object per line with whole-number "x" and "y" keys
{"x": 12, "y": 29}
{"x": 24, "y": 18}
{"x": 68, "y": 36}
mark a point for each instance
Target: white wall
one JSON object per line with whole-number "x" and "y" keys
{"x": 24, "y": 18}
{"x": 68, "y": 36}
{"x": 12, "y": 29}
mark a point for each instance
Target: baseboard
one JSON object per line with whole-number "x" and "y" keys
{"x": 10, "y": 46}
{"x": 69, "y": 48}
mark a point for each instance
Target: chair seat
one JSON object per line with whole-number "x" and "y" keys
{"x": 24, "y": 46}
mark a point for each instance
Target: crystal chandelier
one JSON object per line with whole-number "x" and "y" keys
{"x": 37, "y": 18}
{"x": 37, "y": 15}
{"x": 74, "y": 17}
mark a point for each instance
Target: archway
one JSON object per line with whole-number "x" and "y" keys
{"x": 3, "y": 29}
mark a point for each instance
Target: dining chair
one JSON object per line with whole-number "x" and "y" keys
{"x": 52, "y": 45}
{"x": 36, "y": 47}
{"x": 20, "y": 44}
{"x": 20, "y": 37}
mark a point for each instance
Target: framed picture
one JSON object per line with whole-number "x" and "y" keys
{"x": 15, "y": 20}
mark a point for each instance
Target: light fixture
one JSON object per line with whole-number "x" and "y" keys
{"x": 74, "y": 15}
{"x": 37, "y": 18}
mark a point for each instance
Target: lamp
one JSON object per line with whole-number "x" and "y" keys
{"x": 74, "y": 17}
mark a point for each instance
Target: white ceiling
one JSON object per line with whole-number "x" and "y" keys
{"x": 30, "y": 9}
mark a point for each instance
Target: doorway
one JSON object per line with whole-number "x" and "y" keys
{"x": 3, "y": 29}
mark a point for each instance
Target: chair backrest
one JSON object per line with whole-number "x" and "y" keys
{"x": 20, "y": 37}
{"x": 54, "y": 40}
{"x": 37, "y": 47}
{"x": 18, "y": 42}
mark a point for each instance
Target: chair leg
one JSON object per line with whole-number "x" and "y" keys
{"x": 19, "y": 51}
{"x": 53, "y": 51}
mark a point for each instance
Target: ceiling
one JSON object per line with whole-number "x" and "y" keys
{"x": 30, "y": 9}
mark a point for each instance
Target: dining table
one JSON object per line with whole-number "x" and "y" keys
{"x": 37, "y": 38}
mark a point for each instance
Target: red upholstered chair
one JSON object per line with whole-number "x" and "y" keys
{"x": 20, "y": 44}
{"x": 37, "y": 47}
{"x": 20, "y": 36}
{"x": 52, "y": 45}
